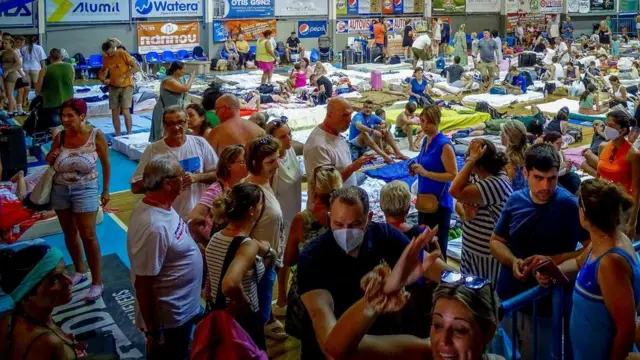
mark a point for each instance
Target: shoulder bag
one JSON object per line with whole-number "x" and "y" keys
{"x": 428, "y": 203}
{"x": 41, "y": 193}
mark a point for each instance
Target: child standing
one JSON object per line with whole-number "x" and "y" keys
{"x": 615, "y": 47}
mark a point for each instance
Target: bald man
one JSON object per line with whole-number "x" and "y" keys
{"x": 325, "y": 146}
{"x": 233, "y": 130}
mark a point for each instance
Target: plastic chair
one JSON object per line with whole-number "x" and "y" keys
{"x": 168, "y": 56}
{"x": 252, "y": 49}
{"x": 138, "y": 57}
{"x": 224, "y": 55}
{"x": 152, "y": 58}
{"x": 198, "y": 54}
{"x": 95, "y": 61}
{"x": 184, "y": 55}
{"x": 510, "y": 41}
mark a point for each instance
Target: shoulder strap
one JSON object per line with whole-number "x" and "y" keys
{"x": 26, "y": 352}
{"x": 61, "y": 143}
{"x": 622, "y": 253}
{"x": 221, "y": 301}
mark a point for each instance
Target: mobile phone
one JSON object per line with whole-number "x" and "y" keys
{"x": 411, "y": 163}
{"x": 549, "y": 268}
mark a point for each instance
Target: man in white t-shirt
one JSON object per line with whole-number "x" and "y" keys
{"x": 195, "y": 155}
{"x": 326, "y": 146}
{"x": 421, "y": 50}
{"x": 562, "y": 51}
{"x": 553, "y": 28}
{"x": 166, "y": 264}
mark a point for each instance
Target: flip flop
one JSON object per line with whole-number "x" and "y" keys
{"x": 269, "y": 331}
{"x": 279, "y": 311}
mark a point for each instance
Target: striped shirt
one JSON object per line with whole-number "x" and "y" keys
{"x": 215, "y": 254}
{"x": 495, "y": 190}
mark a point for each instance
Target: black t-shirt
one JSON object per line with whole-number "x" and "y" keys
{"x": 293, "y": 43}
{"x": 324, "y": 265}
{"x": 455, "y": 72}
{"x": 407, "y": 32}
{"x": 328, "y": 85}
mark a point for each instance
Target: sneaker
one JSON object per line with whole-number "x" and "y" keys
{"x": 95, "y": 292}
{"x": 78, "y": 278}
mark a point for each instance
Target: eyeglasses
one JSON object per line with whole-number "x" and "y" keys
{"x": 174, "y": 124}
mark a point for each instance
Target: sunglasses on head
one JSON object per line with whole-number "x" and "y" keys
{"x": 470, "y": 282}
{"x": 265, "y": 140}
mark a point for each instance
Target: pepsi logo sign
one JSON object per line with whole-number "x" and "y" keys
{"x": 352, "y": 3}
{"x": 303, "y": 29}
{"x": 398, "y": 3}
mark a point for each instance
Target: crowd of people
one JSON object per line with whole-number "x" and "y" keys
{"x": 220, "y": 219}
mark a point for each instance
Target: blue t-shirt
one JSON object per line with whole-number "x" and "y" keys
{"x": 322, "y": 264}
{"x": 431, "y": 160}
{"x": 565, "y": 31}
{"x": 520, "y": 82}
{"x": 417, "y": 88}
{"x": 615, "y": 48}
{"x": 368, "y": 121}
{"x": 537, "y": 229}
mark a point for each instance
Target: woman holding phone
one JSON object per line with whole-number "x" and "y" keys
{"x": 607, "y": 275}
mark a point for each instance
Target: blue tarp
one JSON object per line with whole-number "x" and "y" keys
{"x": 400, "y": 171}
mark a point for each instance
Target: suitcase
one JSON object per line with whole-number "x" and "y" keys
{"x": 13, "y": 151}
{"x": 358, "y": 58}
{"x": 376, "y": 80}
{"x": 347, "y": 57}
{"x": 526, "y": 59}
{"x": 376, "y": 55}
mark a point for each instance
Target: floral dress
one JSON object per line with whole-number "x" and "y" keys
{"x": 460, "y": 48}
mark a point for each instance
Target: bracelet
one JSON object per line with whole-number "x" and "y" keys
{"x": 377, "y": 300}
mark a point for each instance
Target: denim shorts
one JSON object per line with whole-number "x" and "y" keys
{"x": 80, "y": 198}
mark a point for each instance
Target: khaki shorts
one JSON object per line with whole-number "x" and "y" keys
{"x": 33, "y": 76}
{"x": 120, "y": 98}
{"x": 419, "y": 54}
{"x": 488, "y": 68}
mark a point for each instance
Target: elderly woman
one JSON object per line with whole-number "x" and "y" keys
{"x": 262, "y": 159}
{"x": 307, "y": 225}
{"x": 395, "y": 202}
{"x": 197, "y": 123}
{"x": 231, "y": 170}
{"x": 480, "y": 202}
{"x": 37, "y": 282}
{"x": 237, "y": 288}
{"x": 74, "y": 195}
{"x": 465, "y": 315}
{"x": 607, "y": 290}
{"x": 173, "y": 91}
{"x": 436, "y": 168}
{"x": 287, "y": 185}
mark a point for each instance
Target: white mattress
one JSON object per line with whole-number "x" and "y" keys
{"x": 131, "y": 145}
{"x": 300, "y": 118}
{"x": 50, "y": 226}
{"x": 555, "y": 106}
{"x": 369, "y": 67}
{"x": 503, "y": 100}
{"x": 141, "y": 123}
{"x": 443, "y": 85}
{"x": 249, "y": 80}
{"x": 493, "y": 138}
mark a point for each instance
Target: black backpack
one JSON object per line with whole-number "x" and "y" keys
{"x": 265, "y": 89}
{"x": 483, "y": 106}
{"x": 214, "y": 63}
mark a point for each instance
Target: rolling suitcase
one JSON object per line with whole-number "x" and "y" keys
{"x": 358, "y": 58}
{"x": 376, "y": 80}
{"x": 13, "y": 151}
{"x": 347, "y": 57}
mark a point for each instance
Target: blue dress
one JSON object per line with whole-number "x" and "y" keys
{"x": 519, "y": 181}
{"x": 592, "y": 328}
{"x": 431, "y": 160}
{"x": 417, "y": 88}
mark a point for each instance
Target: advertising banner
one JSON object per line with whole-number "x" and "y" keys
{"x": 165, "y": 8}
{"x": 301, "y": 7}
{"x": 369, "y": 7}
{"x": 247, "y": 9}
{"x": 352, "y": 26}
{"x": 167, "y": 36}
{"x": 448, "y": 6}
{"x": 251, "y": 29}
{"x": 398, "y": 24}
{"x": 311, "y": 29}
{"x": 18, "y": 16}
{"x": 346, "y": 7}
{"x": 77, "y": 11}
{"x": 628, "y": 6}
{"x": 398, "y": 6}
{"x": 511, "y": 6}
{"x": 551, "y": 6}
{"x": 483, "y": 6}
{"x": 601, "y": 5}
{"x": 387, "y": 6}
{"x": 539, "y": 20}
{"x": 584, "y": 6}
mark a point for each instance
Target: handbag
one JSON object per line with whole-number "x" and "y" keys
{"x": 428, "y": 203}
{"x": 41, "y": 193}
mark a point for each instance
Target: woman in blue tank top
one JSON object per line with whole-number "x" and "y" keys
{"x": 607, "y": 289}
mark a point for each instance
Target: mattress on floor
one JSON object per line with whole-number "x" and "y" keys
{"x": 50, "y": 226}
{"x": 141, "y": 123}
{"x": 450, "y": 121}
{"x": 554, "y": 106}
{"x": 443, "y": 85}
{"x": 300, "y": 118}
{"x": 131, "y": 145}
{"x": 101, "y": 108}
{"x": 369, "y": 67}
{"x": 502, "y": 100}
{"x": 250, "y": 80}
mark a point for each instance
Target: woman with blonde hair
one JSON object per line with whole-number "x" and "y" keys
{"x": 514, "y": 137}
{"x": 307, "y": 225}
{"x": 460, "y": 47}
{"x": 395, "y": 203}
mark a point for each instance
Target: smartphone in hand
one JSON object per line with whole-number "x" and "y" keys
{"x": 549, "y": 268}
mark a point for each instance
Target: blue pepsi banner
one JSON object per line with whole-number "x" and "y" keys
{"x": 247, "y": 9}
{"x": 12, "y": 4}
{"x": 165, "y": 8}
{"x": 398, "y": 7}
{"x": 311, "y": 29}
{"x": 17, "y": 16}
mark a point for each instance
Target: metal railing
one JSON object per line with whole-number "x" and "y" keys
{"x": 561, "y": 313}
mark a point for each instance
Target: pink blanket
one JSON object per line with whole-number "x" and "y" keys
{"x": 575, "y": 155}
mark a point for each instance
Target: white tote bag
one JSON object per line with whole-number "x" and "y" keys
{"x": 41, "y": 193}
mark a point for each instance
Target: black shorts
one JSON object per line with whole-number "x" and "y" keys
{"x": 445, "y": 40}
{"x": 265, "y": 99}
{"x": 20, "y": 83}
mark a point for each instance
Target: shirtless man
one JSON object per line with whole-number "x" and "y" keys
{"x": 232, "y": 129}
{"x": 406, "y": 121}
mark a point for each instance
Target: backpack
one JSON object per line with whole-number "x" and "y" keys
{"x": 232, "y": 66}
{"x": 395, "y": 59}
{"x": 214, "y": 63}
{"x": 265, "y": 89}
{"x": 483, "y": 106}
{"x": 219, "y": 336}
{"x": 79, "y": 58}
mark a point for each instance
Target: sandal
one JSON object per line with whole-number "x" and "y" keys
{"x": 95, "y": 292}
{"x": 78, "y": 278}
{"x": 279, "y": 311}
{"x": 275, "y": 331}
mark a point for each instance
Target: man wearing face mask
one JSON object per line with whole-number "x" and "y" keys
{"x": 538, "y": 222}
{"x": 331, "y": 266}
{"x": 196, "y": 157}
{"x": 233, "y": 129}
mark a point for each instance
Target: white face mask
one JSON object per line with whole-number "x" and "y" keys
{"x": 348, "y": 239}
{"x": 611, "y": 133}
